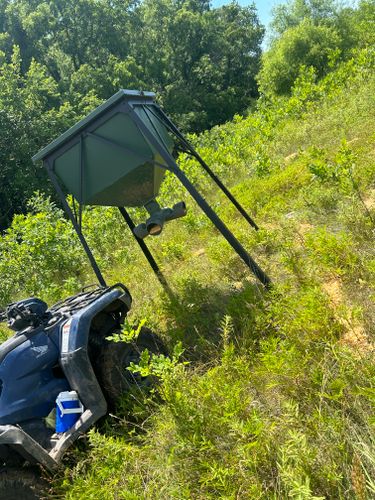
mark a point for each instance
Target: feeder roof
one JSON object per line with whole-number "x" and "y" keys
{"x": 128, "y": 95}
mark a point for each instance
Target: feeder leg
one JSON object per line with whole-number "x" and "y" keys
{"x": 228, "y": 235}
{"x": 213, "y": 176}
{"x": 82, "y": 239}
{"x": 211, "y": 214}
{"x": 145, "y": 249}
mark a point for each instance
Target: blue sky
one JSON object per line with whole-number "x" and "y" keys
{"x": 264, "y": 8}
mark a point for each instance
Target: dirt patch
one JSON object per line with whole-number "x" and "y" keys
{"x": 334, "y": 291}
{"x": 356, "y": 338}
{"x": 369, "y": 199}
{"x": 290, "y": 157}
{"x": 237, "y": 286}
{"x": 354, "y": 335}
{"x": 304, "y": 228}
{"x": 199, "y": 252}
{"x": 352, "y": 141}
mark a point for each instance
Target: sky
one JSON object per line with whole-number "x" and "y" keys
{"x": 263, "y": 7}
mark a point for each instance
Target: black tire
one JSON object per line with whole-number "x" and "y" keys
{"x": 22, "y": 484}
{"x": 114, "y": 378}
{"x": 10, "y": 458}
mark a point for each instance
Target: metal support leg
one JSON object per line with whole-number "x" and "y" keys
{"x": 145, "y": 249}
{"x": 213, "y": 176}
{"x": 82, "y": 239}
{"x": 228, "y": 235}
{"x": 211, "y": 214}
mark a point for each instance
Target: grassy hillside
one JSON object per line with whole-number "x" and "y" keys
{"x": 274, "y": 394}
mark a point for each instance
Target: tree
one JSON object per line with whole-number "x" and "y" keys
{"x": 303, "y": 45}
{"x": 315, "y": 33}
{"x": 175, "y": 47}
{"x": 65, "y": 34}
{"x": 204, "y": 61}
{"x": 30, "y": 116}
{"x": 359, "y": 23}
{"x": 291, "y": 14}
{"x": 354, "y": 25}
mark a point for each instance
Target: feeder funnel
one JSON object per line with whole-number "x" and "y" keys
{"x": 105, "y": 159}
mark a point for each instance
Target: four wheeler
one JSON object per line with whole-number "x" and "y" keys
{"x": 62, "y": 348}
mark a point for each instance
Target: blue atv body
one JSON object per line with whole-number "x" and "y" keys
{"x": 28, "y": 376}
{"x": 54, "y": 350}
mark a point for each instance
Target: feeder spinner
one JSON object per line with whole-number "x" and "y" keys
{"x": 118, "y": 156}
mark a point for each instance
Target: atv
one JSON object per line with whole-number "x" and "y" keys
{"x": 57, "y": 349}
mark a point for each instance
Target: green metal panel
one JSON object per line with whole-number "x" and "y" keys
{"x": 121, "y": 95}
{"x": 105, "y": 159}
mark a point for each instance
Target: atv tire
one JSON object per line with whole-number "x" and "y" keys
{"x": 21, "y": 484}
{"x": 115, "y": 380}
{"x": 10, "y": 458}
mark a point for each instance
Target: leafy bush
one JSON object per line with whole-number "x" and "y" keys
{"x": 304, "y": 45}
{"x": 40, "y": 254}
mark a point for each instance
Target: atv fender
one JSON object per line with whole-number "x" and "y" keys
{"x": 77, "y": 367}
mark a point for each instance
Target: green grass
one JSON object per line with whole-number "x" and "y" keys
{"x": 277, "y": 399}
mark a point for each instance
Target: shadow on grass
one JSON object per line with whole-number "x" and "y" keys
{"x": 195, "y": 314}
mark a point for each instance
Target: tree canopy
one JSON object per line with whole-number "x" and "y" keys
{"x": 60, "y": 58}
{"x": 182, "y": 49}
{"x": 291, "y": 14}
{"x": 303, "y": 45}
{"x": 316, "y": 34}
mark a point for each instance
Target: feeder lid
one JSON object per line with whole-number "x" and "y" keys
{"x": 129, "y": 95}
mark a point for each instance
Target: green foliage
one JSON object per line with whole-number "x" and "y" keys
{"x": 210, "y": 58}
{"x": 304, "y": 45}
{"x": 334, "y": 250}
{"x": 39, "y": 254}
{"x": 88, "y": 46}
{"x": 30, "y": 115}
{"x": 128, "y": 332}
{"x": 160, "y": 366}
{"x": 314, "y": 34}
{"x": 277, "y": 399}
{"x": 4, "y": 333}
{"x": 339, "y": 171}
{"x": 363, "y": 20}
{"x": 291, "y": 14}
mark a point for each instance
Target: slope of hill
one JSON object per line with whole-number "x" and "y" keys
{"x": 276, "y": 400}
